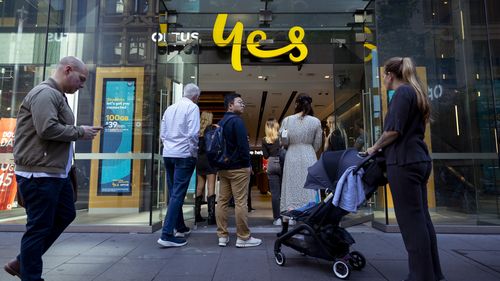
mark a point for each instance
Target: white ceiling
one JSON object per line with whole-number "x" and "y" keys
{"x": 281, "y": 82}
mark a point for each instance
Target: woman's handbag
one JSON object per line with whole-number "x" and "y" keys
{"x": 284, "y": 138}
{"x": 284, "y": 142}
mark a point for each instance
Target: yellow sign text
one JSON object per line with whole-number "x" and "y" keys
{"x": 295, "y": 35}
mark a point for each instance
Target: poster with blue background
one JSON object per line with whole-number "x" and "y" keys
{"x": 117, "y": 136}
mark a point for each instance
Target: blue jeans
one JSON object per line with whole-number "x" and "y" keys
{"x": 50, "y": 209}
{"x": 179, "y": 172}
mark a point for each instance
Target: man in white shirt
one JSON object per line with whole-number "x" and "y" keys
{"x": 179, "y": 133}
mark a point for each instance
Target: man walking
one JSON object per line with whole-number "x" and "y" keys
{"x": 235, "y": 176}
{"x": 43, "y": 153}
{"x": 180, "y": 127}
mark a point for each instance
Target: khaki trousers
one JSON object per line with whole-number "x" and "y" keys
{"x": 233, "y": 183}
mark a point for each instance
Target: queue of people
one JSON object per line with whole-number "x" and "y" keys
{"x": 43, "y": 153}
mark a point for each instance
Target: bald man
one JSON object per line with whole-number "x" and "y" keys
{"x": 43, "y": 153}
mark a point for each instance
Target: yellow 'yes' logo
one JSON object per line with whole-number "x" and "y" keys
{"x": 295, "y": 35}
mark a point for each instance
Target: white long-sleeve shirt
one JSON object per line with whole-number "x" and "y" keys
{"x": 180, "y": 128}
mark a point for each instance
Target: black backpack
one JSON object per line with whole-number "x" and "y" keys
{"x": 215, "y": 146}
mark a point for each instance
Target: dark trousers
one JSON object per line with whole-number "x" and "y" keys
{"x": 179, "y": 172}
{"x": 50, "y": 209}
{"x": 274, "y": 174}
{"x": 409, "y": 192}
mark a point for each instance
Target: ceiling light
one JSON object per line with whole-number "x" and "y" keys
{"x": 260, "y": 77}
{"x": 327, "y": 76}
{"x": 192, "y": 77}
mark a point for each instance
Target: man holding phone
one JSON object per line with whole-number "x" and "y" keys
{"x": 43, "y": 153}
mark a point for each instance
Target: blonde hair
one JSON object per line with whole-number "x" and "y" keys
{"x": 404, "y": 69}
{"x": 272, "y": 128}
{"x": 206, "y": 119}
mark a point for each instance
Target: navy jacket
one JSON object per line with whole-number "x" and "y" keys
{"x": 236, "y": 137}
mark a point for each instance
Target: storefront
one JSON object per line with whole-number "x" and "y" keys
{"x": 140, "y": 54}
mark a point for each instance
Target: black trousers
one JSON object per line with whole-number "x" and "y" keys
{"x": 274, "y": 173}
{"x": 409, "y": 192}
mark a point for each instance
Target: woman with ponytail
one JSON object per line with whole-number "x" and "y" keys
{"x": 304, "y": 139}
{"x": 409, "y": 166}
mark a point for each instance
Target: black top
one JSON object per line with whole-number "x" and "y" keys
{"x": 336, "y": 141}
{"x": 270, "y": 149}
{"x": 405, "y": 118}
{"x": 236, "y": 136}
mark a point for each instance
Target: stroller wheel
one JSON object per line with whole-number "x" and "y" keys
{"x": 341, "y": 269}
{"x": 280, "y": 258}
{"x": 357, "y": 260}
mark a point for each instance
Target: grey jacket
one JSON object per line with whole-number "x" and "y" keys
{"x": 44, "y": 130}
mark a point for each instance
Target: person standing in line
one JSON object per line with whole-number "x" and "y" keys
{"x": 43, "y": 153}
{"x": 206, "y": 174}
{"x": 335, "y": 140}
{"x": 180, "y": 129}
{"x": 409, "y": 166}
{"x": 359, "y": 144}
{"x": 271, "y": 151}
{"x": 235, "y": 175}
{"x": 304, "y": 139}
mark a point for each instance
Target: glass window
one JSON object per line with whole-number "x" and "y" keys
{"x": 452, "y": 56}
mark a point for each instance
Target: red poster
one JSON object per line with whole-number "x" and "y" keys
{"x": 8, "y": 185}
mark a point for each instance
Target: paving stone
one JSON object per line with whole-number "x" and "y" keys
{"x": 137, "y": 257}
{"x": 133, "y": 270}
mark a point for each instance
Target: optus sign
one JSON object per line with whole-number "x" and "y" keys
{"x": 161, "y": 37}
{"x": 295, "y": 35}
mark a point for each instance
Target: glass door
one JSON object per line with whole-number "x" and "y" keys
{"x": 176, "y": 68}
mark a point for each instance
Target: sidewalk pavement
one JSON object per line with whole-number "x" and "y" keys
{"x": 137, "y": 257}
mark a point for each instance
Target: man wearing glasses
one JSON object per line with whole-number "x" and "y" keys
{"x": 235, "y": 176}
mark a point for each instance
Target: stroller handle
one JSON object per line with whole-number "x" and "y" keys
{"x": 367, "y": 158}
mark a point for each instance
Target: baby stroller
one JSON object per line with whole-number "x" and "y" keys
{"x": 318, "y": 233}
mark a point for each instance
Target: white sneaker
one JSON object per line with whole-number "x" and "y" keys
{"x": 223, "y": 241}
{"x": 172, "y": 242}
{"x": 277, "y": 221}
{"x": 250, "y": 242}
{"x": 182, "y": 234}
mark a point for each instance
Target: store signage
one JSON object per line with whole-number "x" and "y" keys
{"x": 118, "y": 107}
{"x": 181, "y": 36}
{"x": 56, "y": 37}
{"x": 295, "y": 35}
{"x": 435, "y": 92}
{"x": 8, "y": 185}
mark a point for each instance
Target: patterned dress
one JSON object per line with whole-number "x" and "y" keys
{"x": 304, "y": 139}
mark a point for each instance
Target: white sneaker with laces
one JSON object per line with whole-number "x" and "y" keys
{"x": 250, "y": 242}
{"x": 277, "y": 222}
{"x": 223, "y": 241}
{"x": 182, "y": 234}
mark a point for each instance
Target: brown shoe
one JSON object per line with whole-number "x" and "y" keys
{"x": 13, "y": 268}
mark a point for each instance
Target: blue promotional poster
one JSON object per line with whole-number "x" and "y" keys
{"x": 118, "y": 109}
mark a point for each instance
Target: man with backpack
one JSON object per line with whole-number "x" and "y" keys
{"x": 234, "y": 172}
{"x": 180, "y": 127}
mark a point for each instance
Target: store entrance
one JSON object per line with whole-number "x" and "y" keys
{"x": 269, "y": 91}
